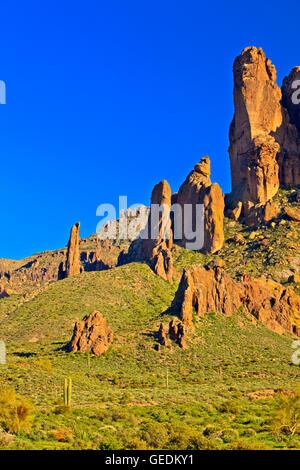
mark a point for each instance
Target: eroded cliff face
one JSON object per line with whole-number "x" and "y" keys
{"x": 203, "y": 290}
{"x": 264, "y": 137}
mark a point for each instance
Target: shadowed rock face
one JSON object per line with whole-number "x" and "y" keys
{"x": 155, "y": 246}
{"x": 91, "y": 335}
{"x": 73, "y": 258}
{"x": 264, "y": 139}
{"x": 206, "y": 290}
{"x": 197, "y": 189}
{"x": 289, "y": 158}
{"x": 4, "y": 292}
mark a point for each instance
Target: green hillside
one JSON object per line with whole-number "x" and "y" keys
{"x": 134, "y": 393}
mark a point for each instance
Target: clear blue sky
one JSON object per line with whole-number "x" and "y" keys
{"x": 107, "y": 98}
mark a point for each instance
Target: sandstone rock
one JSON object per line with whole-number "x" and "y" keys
{"x": 91, "y": 335}
{"x": 197, "y": 189}
{"x": 239, "y": 239}
{"x": 264, "y": 137}
{"x": 162, "y": 335}
{"x": 181, "y": 335}
{"x": 235, "y": 213}
{"x": 73, "y": 258}
{"x": 157, "y": 250}
{"x": 205, "y": 290}
{"x": 4, "y": 292}
{"x": 293, "y": 213}
{"x": 177, "y": 333}
{"x": 289, "y": 134}
{"x": 253, "y": 151}
{"x": 262, "y": 213}
{"x": 173, "y": 330}
{"x": 213, "y": 219}
{"x": 213, "y": 290}
{"x": 294, "y": 278}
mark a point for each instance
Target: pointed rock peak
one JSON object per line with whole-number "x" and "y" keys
{"x": 161, "y": 193}
{"x": 203, "y": 167}
{"x": 253, "y": 56}
{"x": 73, "y": 257}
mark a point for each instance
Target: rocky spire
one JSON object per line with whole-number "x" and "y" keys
{"x": 197, "y": 189}
{"x": 157, "y": 250}
{"x": 73, "y": 257}
{"x": 264, "y": 143}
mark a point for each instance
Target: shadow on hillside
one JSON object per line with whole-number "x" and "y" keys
{"x": 170, "y": 311}
{"x": 22, "y": 354}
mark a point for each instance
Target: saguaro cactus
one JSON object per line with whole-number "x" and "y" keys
{"x": 2, "y": 352}
{"x": 68, "y": 392}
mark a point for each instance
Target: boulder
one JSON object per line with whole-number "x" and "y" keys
{"x": 292, "y": 213}
{"x": 92, "y": 334}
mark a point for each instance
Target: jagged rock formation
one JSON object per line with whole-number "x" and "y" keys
{"x": 162, "y": 335}
{"x": 4, "y": 292}
{"x": 92, "y": 334}
{"x": 198, "y": 189}
{"x": 155, "y": 242}
{"x": 176, "y": 333}
{"x": 73, "y": 258}
{"x": 206, "y": 290}
{"x": 158, "y": 250}
{"x": 264, "y": 140}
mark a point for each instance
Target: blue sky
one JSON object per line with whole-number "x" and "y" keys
{"x": 107, "y": 98}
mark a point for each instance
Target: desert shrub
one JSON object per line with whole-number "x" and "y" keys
{"x": 44, "y": 364}
{"x": 230, "y": 406}
{"x": 286, "y": 417}
{"x": 110, "y": 443}
{"x": 62, "y": 434}
{"x": 229, "y": 435}
{"x": 6, "y": 439}
{"x": 135, "y": 443}
{"x": 246, "y": 444}
{"x": 249, "y": 432}
{"x": 155, "y": 434}
{"x": 62, "y": 409}
{"x": 15, "y": 411}
{"x": 200, "y": 442}
{"x": 179, "y": 436}
{"x": 119, "y": 414}
{"x": 210, "y": 430}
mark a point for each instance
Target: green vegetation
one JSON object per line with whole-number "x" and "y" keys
{"x": 133, "y": 396}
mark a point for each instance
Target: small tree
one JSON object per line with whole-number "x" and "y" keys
{"x": 15, "y": 411}
{"x": 286, "y": 419}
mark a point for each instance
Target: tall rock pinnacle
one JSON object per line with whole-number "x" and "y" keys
{"x": 197, "y": 189}
{"x": 264, "y": 142}
{"x": 73, "y": 258}
{"x": 158, "y": 250}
